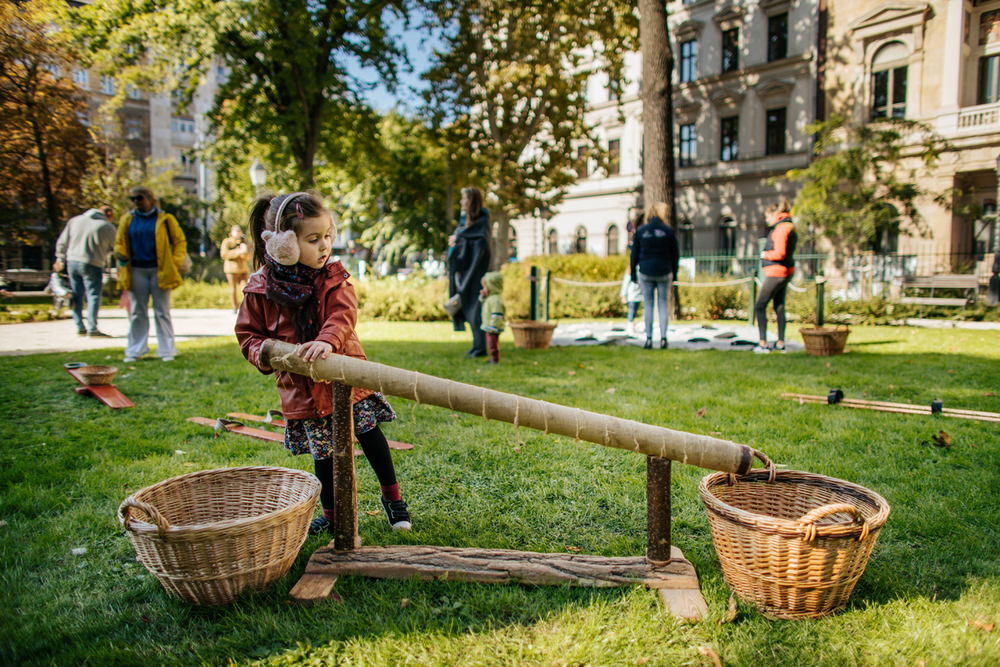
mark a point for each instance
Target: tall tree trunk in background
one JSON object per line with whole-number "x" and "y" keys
{"x": 501, "y": 245}
{"x": 658, "y": 177}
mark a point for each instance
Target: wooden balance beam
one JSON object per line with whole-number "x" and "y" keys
{"x": 663, "y": 568}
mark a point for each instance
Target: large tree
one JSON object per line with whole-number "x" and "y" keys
{"x": 43, "y": 145}
{"x": 514, "y": 75}
{"x": 857, "y": 189}
{"x": 288, "y": 81}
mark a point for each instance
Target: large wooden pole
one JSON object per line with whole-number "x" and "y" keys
{"x": 699, "y": 450}
{"x": 657, "y": 510}
{"x": 345, "y": 481}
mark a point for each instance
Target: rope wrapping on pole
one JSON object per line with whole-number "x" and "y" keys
{"x": 689, "y": 448}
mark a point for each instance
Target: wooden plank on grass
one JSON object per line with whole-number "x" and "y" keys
{"x": 312, "y": 588}
{"x": 257, "y": 433}
{"x": 107, "y": 393}
{"x": 280, "y": 423}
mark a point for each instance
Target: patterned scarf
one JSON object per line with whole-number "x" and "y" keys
{"x": 295, "y": 288}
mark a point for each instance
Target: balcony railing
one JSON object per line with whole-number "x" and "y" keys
{"x": 981, "y": 116}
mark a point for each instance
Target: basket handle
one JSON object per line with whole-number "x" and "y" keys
{"x": 772, "y": 470}
{"x": 162, "y": 525}
{"x": 808, "y": 521}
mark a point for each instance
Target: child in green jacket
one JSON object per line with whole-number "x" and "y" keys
{"x": 493, "y": 313}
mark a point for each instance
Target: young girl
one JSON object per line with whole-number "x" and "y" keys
{"x": 299, "y": 296}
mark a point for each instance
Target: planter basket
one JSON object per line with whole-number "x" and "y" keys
{"x": 94, "y": 376}
{"x": 825, "y": 342}
{"x": 532, "y": 334}
{"x": 793, "y": 544}
{"x": 210, "y": 535}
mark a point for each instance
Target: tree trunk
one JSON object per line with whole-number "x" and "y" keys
{"x": 501, "y": 244}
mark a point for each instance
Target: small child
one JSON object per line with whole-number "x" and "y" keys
{"x": 493, "y": 313}
{"x": 299, "y": 296}
{"x": 631, "y": 294}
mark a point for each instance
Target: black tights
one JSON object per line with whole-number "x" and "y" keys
{"x": 772, "y": 289}
{"x": 376, "y": 449}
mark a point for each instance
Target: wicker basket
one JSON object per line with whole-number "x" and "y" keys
{"x": 210, "y": 535}
{"x": 825, "y": 342}
{"x": 95, "y": 376}
{"x": 791, "y": 543}
{"x": 532, "y": 334}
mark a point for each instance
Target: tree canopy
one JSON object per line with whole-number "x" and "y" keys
{"x": 857, "y": 189}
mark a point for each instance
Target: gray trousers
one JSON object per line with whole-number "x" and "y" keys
{"x": 144, "y": 285}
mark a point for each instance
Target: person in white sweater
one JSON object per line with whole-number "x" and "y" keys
{"x": 82, "y": 249}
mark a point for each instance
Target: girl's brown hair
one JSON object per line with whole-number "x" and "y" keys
{"x": 265, "y": 208}
{"x": 475, "y": 203}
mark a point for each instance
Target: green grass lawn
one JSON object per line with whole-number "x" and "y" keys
{"x": 930, "y": 595}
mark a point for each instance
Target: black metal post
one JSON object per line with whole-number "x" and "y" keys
{"x": 534, "y": 292}
{"x": 820, "y": 299}
{"x": 548, "y": 284}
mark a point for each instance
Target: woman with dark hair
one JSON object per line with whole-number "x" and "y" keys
{"x": 778, "y": 259}
{"x": 468, "y": 261}
{"x": 150, "y": 249}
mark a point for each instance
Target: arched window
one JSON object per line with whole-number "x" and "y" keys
{"x": 687, "y": 237}
{"x": 889, "y": 69}
{"x": 727, "y": 236}
{"x": 581, "y": 240}
{"x": 612, "y": 240}
{"x": 553, "y": 242}
{"x": 512, "y": 244}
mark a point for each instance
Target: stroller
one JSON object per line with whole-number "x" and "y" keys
{"x": 62, "y": 296}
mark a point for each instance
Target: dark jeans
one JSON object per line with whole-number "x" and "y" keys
{"x": 86, "y": 281}
{"x": 633, "y": 308}
{"x": 773, "y": 289}
{"x": 493, "y": 342}
{"x": 478, "y": 335}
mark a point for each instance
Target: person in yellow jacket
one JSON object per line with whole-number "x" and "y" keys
{"x": 150, "y": 248}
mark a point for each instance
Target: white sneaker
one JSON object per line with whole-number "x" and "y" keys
{"x": 168, "y": 358}
{"x": 757, "y": 349}
{"x": 129, "y": 360}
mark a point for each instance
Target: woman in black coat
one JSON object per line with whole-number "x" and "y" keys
{"x": 468, "y": 261}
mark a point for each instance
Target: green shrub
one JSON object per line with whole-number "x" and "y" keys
{"x": 198, "y": 294}
{"x": 417, "y": 299}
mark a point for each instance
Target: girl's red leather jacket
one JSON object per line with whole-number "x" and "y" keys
{"x": 260, "y": 319}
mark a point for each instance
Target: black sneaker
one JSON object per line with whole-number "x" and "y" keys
{"x": 319, "y": 525}
{"x": 97, "y": 334}
{"x": 396, "y": 514}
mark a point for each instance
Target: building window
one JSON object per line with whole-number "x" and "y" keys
{"x": 775, "y": 132}
{"x": 614, "y": 153}
{"x": 688, "y": 146}
{"x": 133, "y": 128}
{"x": 132, "y": 92}
{"x": 81, "y": 78}
{"x": 612, "y": 240}
{"x": 989, "y": 80}
{"x": 777, "y": 37}
{"x": 889, "y": 71}
{"x": 553, "y": 242}
{"x": 730, "y": 50}
{"x": 512, "y": 244}
{"x": 183, "y": 125}
{"x": 689, "y": 61}
{"x": 107, "y": 85}
{"x": 222, "y": 76}
{"x": 581, "y": 240}
{"x": 989, "y": 27}
{"x": 687, "y": 237}
{"x": 727, "y": 237}
{"x": 583, "y": 158}
{"x": 730, "y": 136}
{"x": 83, "y": 117}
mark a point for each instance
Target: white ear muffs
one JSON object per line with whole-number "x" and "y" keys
{"x": 283, "y": 247}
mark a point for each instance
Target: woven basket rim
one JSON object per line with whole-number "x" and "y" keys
{"x": 532, "y": 324}
{"x": 791, "y": 527}
{"x": 202, "y": 530}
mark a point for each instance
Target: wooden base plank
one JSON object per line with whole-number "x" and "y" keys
{"x": 312, "y": 588}
{"x": 107, "y": 393}
{"x": 280, "y": 423}
{"x": 684, "y": 603}
{"x": 258, "y": 433}
{"x": 503, "y": 566}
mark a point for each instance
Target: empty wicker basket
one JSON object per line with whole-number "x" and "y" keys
{"x": 210, "y": 535}
{"x": 532, "y": 334}
{"x": 97, "y": 375}
{"x": 792, "y": 543}
{"x": 821, "y": 342}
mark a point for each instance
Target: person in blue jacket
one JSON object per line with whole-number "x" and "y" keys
{"x": 654, "y": 263}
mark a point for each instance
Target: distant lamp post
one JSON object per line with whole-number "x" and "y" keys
{"x": 993, "y": 292}
{"x": 258, "y": 175}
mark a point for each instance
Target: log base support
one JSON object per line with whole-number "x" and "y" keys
{"x": 676, "y": 580}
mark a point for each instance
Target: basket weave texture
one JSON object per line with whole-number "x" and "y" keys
{"x": 793, "y": 547}
{"x": 97, "y": 375}
{"x": 210, "y": 535}
{"x": 824, "y": 342}
{"x": 532, "y": 334}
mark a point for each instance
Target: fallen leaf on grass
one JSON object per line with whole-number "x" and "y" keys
{"x": 641, "y": 661}
{"x": 732, "y": 611}
{"x": 611, "y": 390}
{"x": 145, "y": 618}
{"x": 942, "y": 439}
{"x": 704, "y": 650}
{"x": 336, "y": 597}
{"x": 373, "y": 513}
{"x": 427, "y": 363}
{"x": 982, "y": 626}
{"x": 179, "y": 451}
{"x": 572, "y": 372}
{"x": 715, "y": 432}
{"x": 828, "y": 364}
{"x": 989, "y": 394}
{"x": 2, "y": 524}
{"x": 79, "y": 551}
{"x": 188, "y": 464}
{"x": 536, "y": 363}
{"x": 700, "y": 413}
{"x": 404, "y": 603}
{"x": 454, "y": 414}
{"x": 582, "y": 366}
{"x": 575, "y": 550}
{"x": 951, "y": 371}
{"x": 802, "y": 401}
{"x": 517, "y": 449}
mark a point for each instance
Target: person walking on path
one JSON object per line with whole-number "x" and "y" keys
{"x": 150, "y": 249}
{"x": 494, "y": 313}
{"x": 236, "y": 255}
{"x": 299, "y": 296}
{"x": 82, "y": 250}
{"x": 654, "y": 262}
{"x": 778, "y": 259}
{"x": 468, "y": 261}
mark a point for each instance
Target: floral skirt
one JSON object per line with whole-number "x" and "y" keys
{"x": 315, "y": 435}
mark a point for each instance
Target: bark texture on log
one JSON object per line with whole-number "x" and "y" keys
{"x": 345, "y": 490}
{"x": 657, "y": 510}
{"x": 503, "y": 566}
{"x": 689, "y": 448}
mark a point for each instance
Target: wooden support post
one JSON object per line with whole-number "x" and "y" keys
{"x": 345, "y": 489}
{"x": 657, "y": 510}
